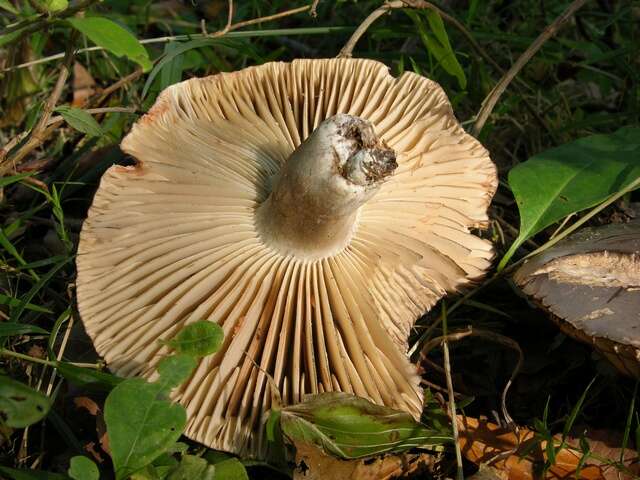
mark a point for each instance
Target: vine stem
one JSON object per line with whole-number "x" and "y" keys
{"x": 49, "y": 363}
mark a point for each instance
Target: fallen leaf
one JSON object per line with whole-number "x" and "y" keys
{"x": 88, "y": 404}
{"x": 83, "y": 85}
{"x": 484, "y": 442}
{"x": 313, "y": 464}
{"x": 91, "y": 449}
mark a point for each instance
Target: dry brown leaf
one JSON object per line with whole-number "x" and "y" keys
{"x": 314, "y": 464}
{"x": 91, "y": 449}
{"x": 88, "y": 404}
{"x": 483, "y": 442}
{"x": 101, "y": 430}
{"x": 83, "y": 85}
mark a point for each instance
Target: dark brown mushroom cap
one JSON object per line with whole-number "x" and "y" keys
{"x": 174, "y": 239}
{"x": 591, "y": 283}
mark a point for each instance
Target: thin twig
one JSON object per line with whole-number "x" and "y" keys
{"x": 225, "y": 30}
{"x": 173, "y": 38}
{"x": 314, "y": 7}
{"x": 492, "y": 99}
{"x": 37, "y": 136}
{"x": 49, "y": 363}
{"x": 102, "y": 95}
{"x": 452, "y": 400}
{"x": 347, "y": 50}
{"x": 268, "y": 18}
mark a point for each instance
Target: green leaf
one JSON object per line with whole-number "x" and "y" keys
{"x": 88, "y": 378}
{"x": 175, "y": 369}
{"x": 6, "y": 5}
{"x": 350, "y": 427}
{"x": 141, "y": 424}
{"x": 4, "y": 181}
{"x": 80, "y": 120}
{"x": 53, "y": 6}
{"x": 112, "y": 37}
{"x": 10, "y": 37}
{"x": 230, "y": 469}
{"x": 193, "y": 467}
{"x": 169, "y": 56}
{"x": 437, "y": 42}
{"x": 24, "y": 474}
{"x": 82, "y": 468}
{"x": 198, "y": 339}
{"x": 171, "y": 72}
{"x": 14, "y": 302}
{"x": 8, "y": 329}
{"x": 21, "y": 405}
{"x": 570, "y": 178}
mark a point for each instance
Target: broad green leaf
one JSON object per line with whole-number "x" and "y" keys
{"x": 25, "y": 474}
{"x": 8, "y": 6}
{"x": 437, "y": 42}
{"x": 112, "y": 37}
{"x": 141, "y": 424}
{"x": 20, "y": 405}
{"x": 175, "y": 369}
{"x": 82, "y": 468}
{"x": 570, "y": 178}
{"x": 198, "y": 339}
{"x": 80, "y": 120}
{"x": 8, "y": 329}
{"x": 88, "y": 378}
{"x": 350, "y": 427}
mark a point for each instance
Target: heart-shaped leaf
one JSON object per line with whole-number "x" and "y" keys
{"x": 21, "y": 405}
{"x": 570, "y": 178}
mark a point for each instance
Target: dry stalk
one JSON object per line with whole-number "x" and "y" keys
{"x": 451, "y": 395}
{"x": 492, "y": 99}
{"x": 492, "y": 336}
{"x": 347, "y": 50}
{"x": 314, "y": 7}
{"x": 37, "y": 136}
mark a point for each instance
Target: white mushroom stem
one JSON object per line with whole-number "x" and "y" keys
{"x": 313, "y": 206}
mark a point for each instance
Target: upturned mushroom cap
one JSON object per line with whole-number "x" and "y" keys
{"x": 590, "y": 282}
{"x": 218, "y": 220}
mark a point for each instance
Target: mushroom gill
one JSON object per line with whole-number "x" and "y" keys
{"x": 314, "y": 209}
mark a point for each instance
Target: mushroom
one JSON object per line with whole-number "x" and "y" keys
{"x": 314, "y": 209}
{"x": 590, "y": 283}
